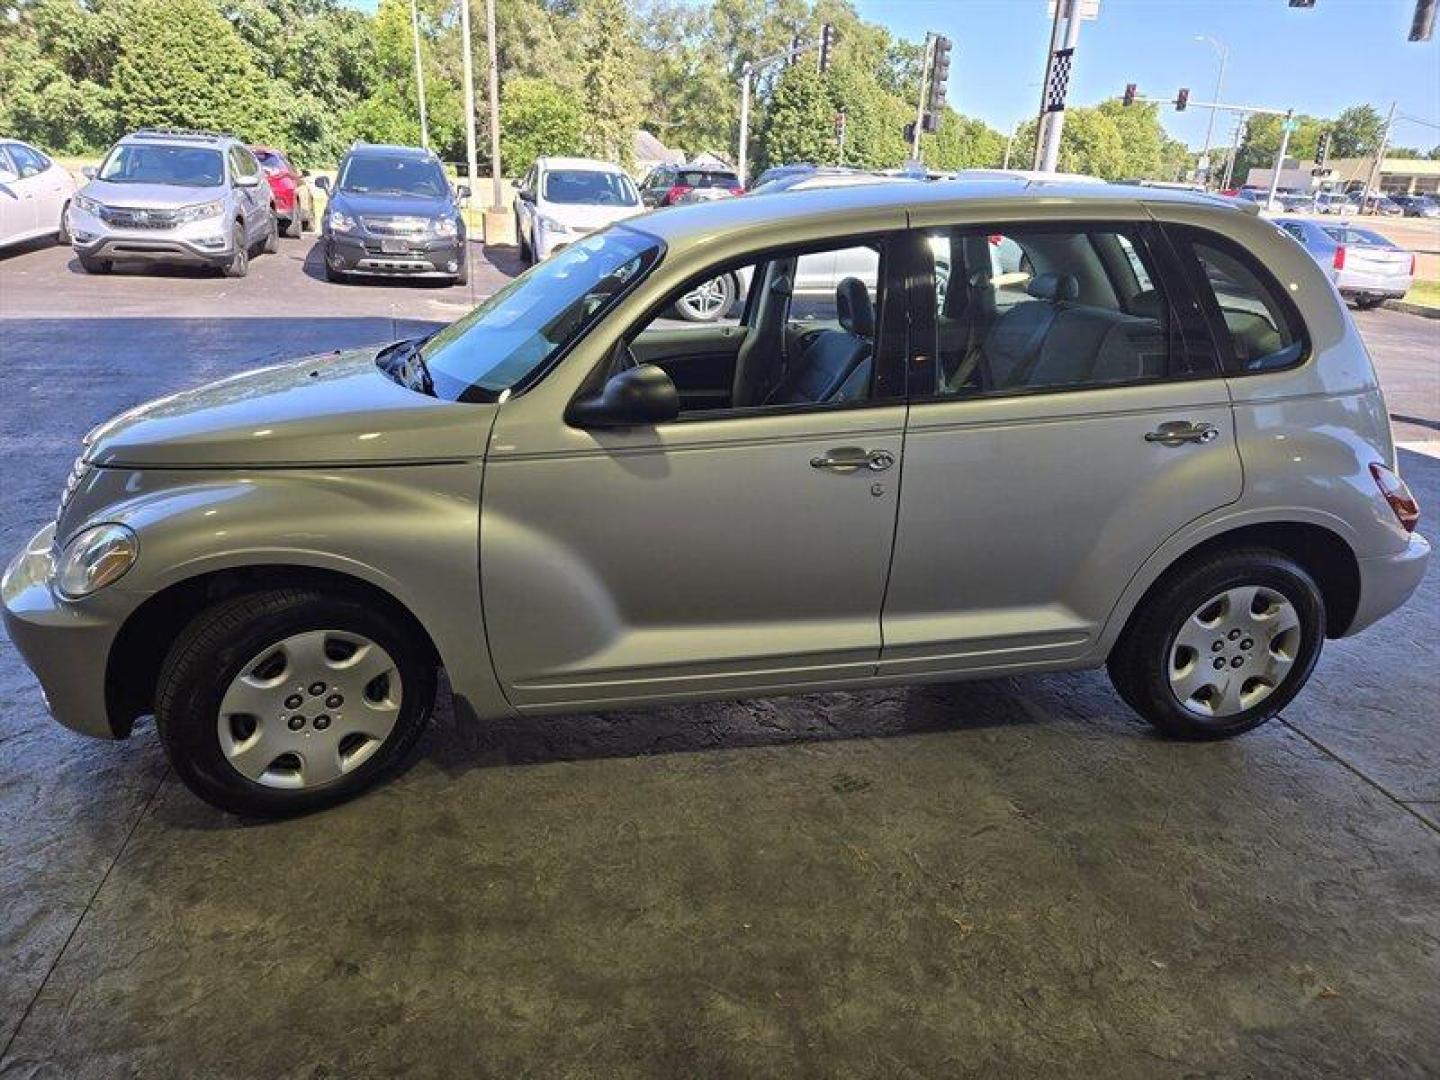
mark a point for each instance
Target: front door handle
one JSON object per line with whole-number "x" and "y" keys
{"x": 853, "y": 458}
{"x": 1176, "y": 432}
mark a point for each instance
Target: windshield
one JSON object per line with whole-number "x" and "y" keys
{"x": 512, "y": 334}
{"x": 375, "y": 174}
{"x": 590, "y": 187}
{"x": 692, "y": 178}
{"x": 184, "y": 166}
{"x": 270, "y": 159}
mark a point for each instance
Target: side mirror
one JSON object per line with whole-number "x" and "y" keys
{"x": 526, "y": 196}
{"x": 305, "y": 174}
{"x": 89, "y": 172}
{"x": 247, "y": 181}
{"x": 637, "y": 396}
{"x": 463, "y": 191}
{"x": 323, "y": 183}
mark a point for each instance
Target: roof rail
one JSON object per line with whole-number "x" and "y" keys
{"x": 171, "y": 132}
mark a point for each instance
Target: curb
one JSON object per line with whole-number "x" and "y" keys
{"x": 1425, "y": 311}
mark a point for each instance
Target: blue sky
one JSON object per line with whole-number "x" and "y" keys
{"x": 1338, "y": 53}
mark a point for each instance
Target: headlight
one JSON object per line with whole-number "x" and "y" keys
{"x": 90, "y": 206}
{"x": 200, "y": 211}
{"x": 445, "y": 226}
{"x": 335, "y": 221}
{"x": 97, "y": 557}
{"x": 549, "y": 224}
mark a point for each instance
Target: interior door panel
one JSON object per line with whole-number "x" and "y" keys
{"x": 700, "y": 361}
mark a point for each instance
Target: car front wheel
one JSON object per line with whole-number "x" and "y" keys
{"x": 709, "y": 301}
{"x": 1221, "y": 646}
{"x": 239, "y": 264}
{"x": 285, "y": 701}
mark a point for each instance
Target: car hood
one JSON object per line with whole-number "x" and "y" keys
{"x": 335, "y": 409}
{"x": 151, "y": 196}
{"x": 425, "y": 206}
{"x": 585, "y": 216}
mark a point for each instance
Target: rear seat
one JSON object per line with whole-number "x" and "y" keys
{"x": 1053, "y": 341}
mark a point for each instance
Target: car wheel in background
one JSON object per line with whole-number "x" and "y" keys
{"x": 95, "y": 266}
{"x": 463, "y": 277}
{"x": 271, "y": 243}
{"x": 338, "y": 277}
{"x": 279, "y": 702}
{"x": 62, "y": 234}
{"x": 293, "y": 226}
{"x": 1222, "y": 645}
{"x": 707, "y": 302}
{"x": 1365, "y": 303}
{"x": 239, "y": 264}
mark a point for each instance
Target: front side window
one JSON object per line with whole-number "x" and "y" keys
{"x": 1051, "y": 308}
{"x": 28, "y": 162}
{"x": 182, "y": 166}
{"x": 383, "y": 174}
{"x": 511, "y": 336}
{"x": 589, "y": 187}
{"x": 1263, "y": 332}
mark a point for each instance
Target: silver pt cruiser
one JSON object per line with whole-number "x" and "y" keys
{"x": 1151, "y": 439}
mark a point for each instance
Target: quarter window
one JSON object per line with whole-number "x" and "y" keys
{"x": 1262, "y": 332}
{"x": 1051, "y": 309}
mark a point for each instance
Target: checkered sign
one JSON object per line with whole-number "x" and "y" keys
{"x": 1059, "y": 82}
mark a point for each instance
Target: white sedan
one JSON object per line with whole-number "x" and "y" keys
{"x": 34, "y": 194}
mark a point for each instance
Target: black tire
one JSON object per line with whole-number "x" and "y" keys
{"x": 337, "y": 277}
{"x": 95, "y": 266}
{"x": 527, "y": 252}
{"x": 239, "y": 264}
{"x": 212, "y": 651}
{"x": 1139, "y": 664}
{"x": 62, "y": 234}
{"x": 463, "y": 277}
{"x": 293, "y": 226}
{"x": 271, "y": 243}
{"x": 1367, "y": 303}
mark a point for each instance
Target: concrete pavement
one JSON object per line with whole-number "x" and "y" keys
{"x": 1006, "y": 878}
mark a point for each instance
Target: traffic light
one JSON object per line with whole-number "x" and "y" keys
{"x": 794, "y": 56}
{"x": 1302, "y": 3}
{"x": 939, "y": 76}
{"x": 910, "y": 132}
{"x": 827, "y": 42}
{"x": 930, "y": 123}
{"x": 1322, "y": 150}
{"x": 1129, "y": 98}
{"x": 1422, "y": 26}
{"x": 1182, "y": 99}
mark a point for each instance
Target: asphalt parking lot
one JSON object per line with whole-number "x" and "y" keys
{"x": 1001, "y": 878}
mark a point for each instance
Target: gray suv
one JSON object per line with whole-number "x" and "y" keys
{"x": 1154, "y": 442}
{"x": 174, "y": 196}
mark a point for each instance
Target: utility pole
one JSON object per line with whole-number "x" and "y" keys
{"x": 419, "y": 75}
{"x": 471, "y": 157}
{"x": 1379, "y": 157}
{"x": 1224, "y": 51}
{"x": 747, "y": 70}
{"x": 920, "y": 107}
{"x": 1234, "y": 153}
{"x": 1280, "y": 156}
{"x": 750, "y": 68}
{"x": 1049, "y": 151}
{"x": 497, "y": 195}
{"x": 1044, "y": 115}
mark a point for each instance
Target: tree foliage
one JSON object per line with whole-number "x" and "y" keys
{"x": 537, "y": 117}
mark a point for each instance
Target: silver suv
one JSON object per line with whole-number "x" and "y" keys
{"x": 172, "y": 196}
{"x": 1152, "y": 441}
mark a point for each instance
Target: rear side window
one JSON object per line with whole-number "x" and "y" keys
{"x": 1251, "y": 313}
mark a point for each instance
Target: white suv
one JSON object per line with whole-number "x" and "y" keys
{"x": 562, "y": 199}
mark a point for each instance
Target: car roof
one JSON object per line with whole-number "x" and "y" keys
{"x": 683, "y": 224}
{"x": 178, "y": 137}
{"x": 590, "y": 164}
{"x": 391, "y": 150}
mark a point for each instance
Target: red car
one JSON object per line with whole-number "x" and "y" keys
{"x": 294, "y": 204}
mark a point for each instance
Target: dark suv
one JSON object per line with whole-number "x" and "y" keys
{"x": 393, "y": 213}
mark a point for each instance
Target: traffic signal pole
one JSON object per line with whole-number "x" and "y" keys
{"x": 750, "y": 68}
{"x": 924, "y": 88}
{"x": 1280, "y": 156}
{"x": 1050, "y": 150}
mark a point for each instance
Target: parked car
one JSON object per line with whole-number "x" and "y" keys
{"x": 1167, "y": 455}
{"x": 1336, "y": 202}
{"x": 1383, "y": 205}
{"x": 825, "y": 177}
{"x": 561, "y": 199}
{"x": 1297, "y": 202}
{"x": 392, "y": 213}
{"x": 1261, "y": 199}
{"x": 775, "y": 172}
{"x": 172, "y": 196}
{"x": 294, "y": 202}
{"x": 1365, "y": 266}
{"x": 666, "y": 184}
{"x": 35, "y": 194}
{"x": 1421, "y": 206}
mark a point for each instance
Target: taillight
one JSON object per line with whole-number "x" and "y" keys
{"x": 676, "y": 190}
{"x": 737, "y": 190}
{"x": 1340, "y": 257}
{"x": 1397, "y": 494}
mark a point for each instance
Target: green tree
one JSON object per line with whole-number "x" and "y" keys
{"x": 182, "y": 64}
{"x": 798, "y": 123}
{"x": 1262, "y": 143}
{"x": 614, "y": 86}
{"x": 1356, "y": 132}
{"x": 963, "y": 143}
{"x": 537, "y": 117}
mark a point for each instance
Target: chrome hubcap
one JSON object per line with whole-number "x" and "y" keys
{"x": 1234, "y": 651}
{"x": 309, "y": 709}
{"x": 708, "y": 299}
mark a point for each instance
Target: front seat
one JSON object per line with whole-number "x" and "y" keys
{"x": 760, "y": 353}
{"x": 836, "y": 365}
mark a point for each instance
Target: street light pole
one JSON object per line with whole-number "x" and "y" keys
{"x": 1379, "y": 157}
{"x": 1050, "y": 157}
{"x": 493, "y": 86}
{"x": 1280, "y": 157}
{"x": 1233, "y": 154}
{"x": 744, "y": 155}
{"x": 1043, "y": 116}
{"x": 1224, "y": 51}
{"x": 419, "y": 75}
{"x": 471, "y": 156}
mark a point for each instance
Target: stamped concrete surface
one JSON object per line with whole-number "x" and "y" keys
{"x": 1002, "y": 878}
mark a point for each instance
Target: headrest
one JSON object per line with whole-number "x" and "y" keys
{"x": 1053, "y": 287}
{"x": 1147, "y": 305}
{"x": 852, "y": 302}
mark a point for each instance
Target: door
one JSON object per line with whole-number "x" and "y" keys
{"x": 253, "y": 192}
{"x": 1060, "y": 439}
{"x": 17, "y": 198}
{"x": 48, "y": 184}
{"x": 743, "y": 546}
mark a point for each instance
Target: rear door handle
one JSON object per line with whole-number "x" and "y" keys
{"x": 853, "y": 458}
{"x": 1176, "y": 432}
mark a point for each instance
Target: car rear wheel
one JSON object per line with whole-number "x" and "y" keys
{"x": 285, "y": 701}
{"x": 239, "y": 264}
{"x": 95, "y": 266}
{"x": 271, "y": 244}
{"x": 1366, "y": 303}
{"x": 709, "y": 301}
{"x": 1222, "y": 646}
